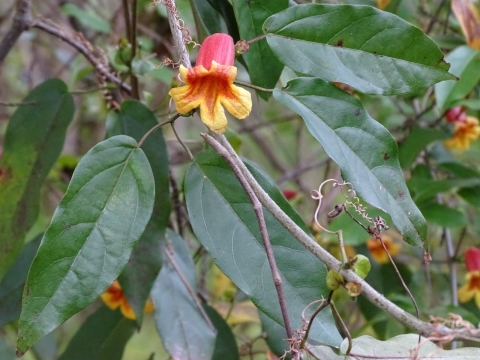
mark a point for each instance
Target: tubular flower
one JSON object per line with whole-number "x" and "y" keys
{"x": 456, "y": 114}
{"x": 113, "y": 297}
{"x": 465, "y": 131}
{"x": 472, "y": 287}
{"x": 378, "y": 252}
{"x": 209, "y": 85}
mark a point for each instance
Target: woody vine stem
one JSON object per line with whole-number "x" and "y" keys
{"x": 435, "y": 331}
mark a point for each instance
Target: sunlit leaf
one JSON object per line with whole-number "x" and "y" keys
{"x": 363, "y": 149}
{"x": 102, "y": 215}
{"x": 373, "y": 51}
{"x": 33, "y": 142}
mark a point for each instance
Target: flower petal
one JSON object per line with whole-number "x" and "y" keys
{"x": 214, "y": 116}
{"x": 464, "y": 294}
{"x": 238, "y": 105}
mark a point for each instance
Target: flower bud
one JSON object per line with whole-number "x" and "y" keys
{"x": 241, "y": 47}
{"x": 334, "y": 280}
{"x": 472, "y": 259}
{"x": 456, "y": 114}
{"x": 218, "y": 48}
{"x": 289, "y": 194}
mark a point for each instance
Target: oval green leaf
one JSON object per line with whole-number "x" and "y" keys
{"x": 102, "y": 215}
{"x": 223, "y": 219}
{"x": 363, "y": 149}
{"x": 135, "y": 119}
{"x": 184, "y": 331}
{"x": 33, "y": 142}
{"x": 373, "y": 51}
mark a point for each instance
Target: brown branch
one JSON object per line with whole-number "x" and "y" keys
{"x": 80, "y": 46}
{"x": 423, "y": 328}
{"x": 21, "y": 22}
{"x": 257, "y": 207}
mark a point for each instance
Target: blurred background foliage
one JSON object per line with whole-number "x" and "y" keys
{"x": 277, "y": 140}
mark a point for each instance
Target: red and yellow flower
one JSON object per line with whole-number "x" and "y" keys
{"x": 378, "y": 252}
{"x": 113, "y": 297}
{"x": 465, "y": 131}
{"x": 472, "y": 288}
{"x": 209, "y": 85}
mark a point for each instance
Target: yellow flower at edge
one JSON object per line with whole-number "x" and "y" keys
{"x": 472, "y": 288}
{"x": 378, "y": 252}
{"x": 113, "y": 297}
{"x": 209, "y": 85}
{"x": 465, "y": 131}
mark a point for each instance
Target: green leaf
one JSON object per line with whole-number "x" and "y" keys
{"x": 275, "y": 336}
{"x": 185, "y": 333}
{"x": 223, "y": 219}
{"x": 207, "y": 19}
{"x": 102, "y": 337}
{"x": 102, "y": 215}
{"x": 402, "y": 346}
{"x": 443, "y": 216}
{"x": 425, "y": 189}
{"x": 416, "y": 141}
{"x": 135, "y": 119}
{"x": 89, "y": 18}
{"x": 225, "y": 9}
{"x": 11, "y": 286}
{"x": 465, "y": 64}
{"x": 33, "y": 142}
{"x": 225, "y": 344}
{"x": 373, "y": 51}
{"x": 263, "y": 66}
{"x": 363, "y": 149}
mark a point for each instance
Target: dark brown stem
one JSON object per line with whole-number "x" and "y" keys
{"x": 400, "y": 276}
{"x": 156, "y": 127}
{"x": 257, "y": 207}
{"x": 133, "y": 42}
{"x": 21, "y": 22}
{"x": 322, "y": 306}
{"x": 176, "y": 204}
{"x": 81, "y": 48}
{"x": 185, "y": 282}
{"x": 258, "y": 38}
{"x": 434, "y": 19}
{"x": 3, "y": 103}
{"x": 344, "y": 327}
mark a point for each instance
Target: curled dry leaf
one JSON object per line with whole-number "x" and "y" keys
{"x": 468, "y": 14}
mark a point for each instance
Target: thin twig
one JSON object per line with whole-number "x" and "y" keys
{"x": 185, "y": 282}
{"x": 424, "y": 328}
{"x": 176, "y": 204}
{"x": 21, "y": 22}
{"x": 344, "y": 327}
{"x": 253, "y": 86}
{"x": 156, "y": 127}
{"x": 81, "y": 48}
{"x": 322, "y": 306}
{"x": 133, "y": 42}
{"x": 258, "y": 38}
{"x": 257, "y": 207}
{"x": 177, "y": 34}
{"x": 3, "y": 103}
{"x": 189, "y": 153}
{"x": 434, "y": 18}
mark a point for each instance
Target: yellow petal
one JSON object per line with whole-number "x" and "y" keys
{"x": 127, "y": 311}
{"x": 110, "y": 300}
{"x": 209, "y": 90}
{"x": 149, "y": 307}
{"x": 464, "y": 294}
